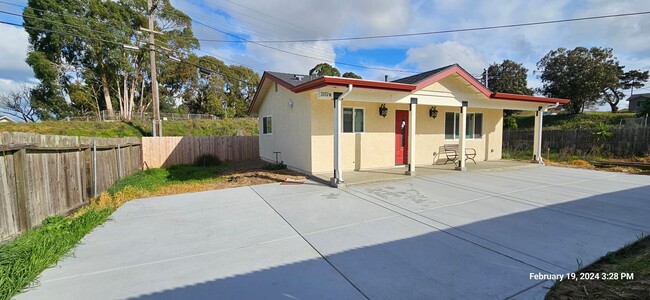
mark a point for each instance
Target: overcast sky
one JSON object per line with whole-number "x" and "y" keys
{"x": 319, "y": 19}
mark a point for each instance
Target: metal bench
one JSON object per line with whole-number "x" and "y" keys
{"x": 451, "y": 153}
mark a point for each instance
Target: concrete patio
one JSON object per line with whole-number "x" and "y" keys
{"x": 450, "y": 235}
{"x": 399, "y": 172}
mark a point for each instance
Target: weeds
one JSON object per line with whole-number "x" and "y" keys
{"x": 278, "y": 166}
{"x": 229, "y": 127}
{"x": 22, "y": 259}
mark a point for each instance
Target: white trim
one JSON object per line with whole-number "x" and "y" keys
{"x": 353, "y": 123}
{"x": 467, "y": 138}
{"x": 263, "y": 123}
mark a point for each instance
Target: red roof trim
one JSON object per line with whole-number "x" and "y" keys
{"x": 517, "y": 97}
{"x": 399, "y": 87}
{"x": 359, "y": 83}
{"x": 451, "y": 70}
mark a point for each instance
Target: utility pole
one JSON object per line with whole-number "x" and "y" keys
{"x": 157, "y": 125}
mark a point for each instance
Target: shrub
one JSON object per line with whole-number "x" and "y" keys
{"x": 510, "y": 122}
{"x": 279, "y": 166}
{"x": 207, "y": 160}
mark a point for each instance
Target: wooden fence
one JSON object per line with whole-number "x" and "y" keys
{"x": 167, "y": 151}
{"x": 624, "y": 142}
{"x": 43, "y": 175}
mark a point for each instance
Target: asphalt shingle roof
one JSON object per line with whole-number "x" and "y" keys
{"x": 291, "y": 78}
{"x": 421, "y": 76}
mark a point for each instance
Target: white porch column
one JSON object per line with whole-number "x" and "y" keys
{"x": 537, "y": 138}
{"x": 411, "y": 128}
{"x": 338, "y": 119}
{"x": 461, "y": 137}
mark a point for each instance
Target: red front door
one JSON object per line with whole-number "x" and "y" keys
{"x": 401, "y": 137}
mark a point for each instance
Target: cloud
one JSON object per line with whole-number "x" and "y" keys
{"x": 450, "y": 52}
{"x": 13, "y": 52}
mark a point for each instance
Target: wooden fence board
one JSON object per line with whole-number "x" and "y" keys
{"x": 624, "y": 142}
{"x": 54, "y": 176}
{"x": 167, "y": 151}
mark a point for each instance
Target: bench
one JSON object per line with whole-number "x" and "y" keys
{"x": 451, "y": 153}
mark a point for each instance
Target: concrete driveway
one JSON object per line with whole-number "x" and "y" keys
{"x": 456, "y": 235}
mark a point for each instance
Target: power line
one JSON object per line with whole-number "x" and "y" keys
{"x": 435, "y": 32}
{"x": 100, "y": 32}
{"x": 261, "y": 30}
{"x": 55, "y": 22}
{"x": 118, "y": 43}
{"x": 301, "y": 55}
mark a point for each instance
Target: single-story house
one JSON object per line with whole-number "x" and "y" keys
{"x": 636, "y": 101}
{"x": 333, "y": 124}
{"x": 5, "y": 119}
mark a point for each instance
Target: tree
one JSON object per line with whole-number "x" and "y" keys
{"x": 16, "y": 103}
{"x": 508, "y": 77}
{"x": 351, "y": 75}
{"x": 634, "y": 79}
{"x": 241, "y": 83}
{"x": 613, "y": 95}
{"x": 325, "y": 69}
{"x": 580, "y": 75}
{"x": 88, "y": 35}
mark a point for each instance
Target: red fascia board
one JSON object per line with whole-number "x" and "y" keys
{"x": 358, "y": 83}
{"x": 451, "y": 70}
{"x": 517, "y": 97}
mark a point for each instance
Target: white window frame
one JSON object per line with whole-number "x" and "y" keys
{"x": 264, "y": 123}
{"x": 353, "y": 123}
{"x": 456, "y": 136}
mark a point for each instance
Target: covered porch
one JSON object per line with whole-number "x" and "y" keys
{"x": 400, "y": 172}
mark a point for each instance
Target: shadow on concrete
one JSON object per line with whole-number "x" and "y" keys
{"x": 408, "y": 258}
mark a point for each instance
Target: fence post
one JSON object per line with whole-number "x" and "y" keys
{"x": 88, "y": 163}
{"x": 20, "y": 167}
{"x": 119, "y": 162}
{"x": 94, "y": 168}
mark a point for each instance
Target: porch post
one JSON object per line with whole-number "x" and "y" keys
{"x": 461, "y": 137}
{"x": 411, "y": 128}
{"x": 338, "y": 112}
{"x": 338, "y": 116}
{"x": 411, "y": 137}
{"x": 537, "y": 138}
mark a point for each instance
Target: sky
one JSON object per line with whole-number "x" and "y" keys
{"x": 282, "y": 20}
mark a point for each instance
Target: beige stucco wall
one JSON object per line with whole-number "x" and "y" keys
{"x": 291, "y": 128}
{"x": 303, "y": 133}
{"x": 375, "y": 148}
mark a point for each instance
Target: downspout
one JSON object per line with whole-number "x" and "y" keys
{"x": 338, "y": 116}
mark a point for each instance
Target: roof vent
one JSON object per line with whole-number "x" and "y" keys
{"x": 297, "y": 77}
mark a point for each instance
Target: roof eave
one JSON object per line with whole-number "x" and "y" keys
{"x": 517, "y": 97}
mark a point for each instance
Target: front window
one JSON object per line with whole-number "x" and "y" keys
{"x": 474, "y": 128}
{"x": 353, "y": 119}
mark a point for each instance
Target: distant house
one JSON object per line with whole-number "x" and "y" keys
{"x": 637, "y": 101}
{"x": 5, "y": 119}
{"x": 332, "y": 124}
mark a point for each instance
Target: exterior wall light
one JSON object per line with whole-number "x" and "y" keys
{"x": 383, "y": 111}
{"x": 433, "y": 112}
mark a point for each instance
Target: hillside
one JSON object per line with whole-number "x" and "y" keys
{"x": 564, "y": 121}
{"x": 229, "y": 127}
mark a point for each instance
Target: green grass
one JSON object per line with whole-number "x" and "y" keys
{"x": 584, "y": 120}
{"x": 22, "y": 259}
{"x": 228, "y": 127}
{"x": 152, "y": 179}
{"x": 631, "y": 259}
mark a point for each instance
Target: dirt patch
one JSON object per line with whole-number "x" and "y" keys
{"x": 231, "y": 180}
